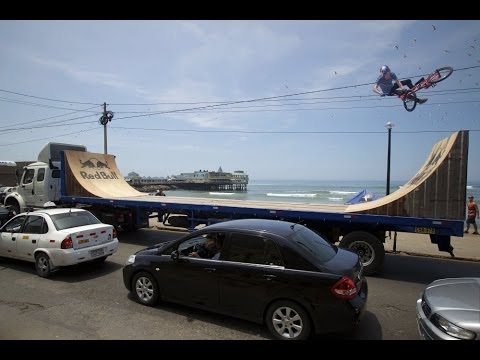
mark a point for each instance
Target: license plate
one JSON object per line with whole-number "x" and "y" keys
{"x": 424, "y": 230}
{"x": 97, "y": 252}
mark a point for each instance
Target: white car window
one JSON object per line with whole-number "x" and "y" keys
{"x": 34, "y": 225}
{"x": 73, "y": 219}
{"x": 15, "y": 224}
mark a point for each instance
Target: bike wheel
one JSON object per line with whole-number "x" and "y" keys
{"x": 410, "y": 101}
{"x": 441, "y": 74}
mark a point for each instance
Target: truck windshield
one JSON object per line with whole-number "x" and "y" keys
{"x": 73, "y": 219}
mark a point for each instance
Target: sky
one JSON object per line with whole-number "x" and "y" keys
{"x": 280, "y": 100}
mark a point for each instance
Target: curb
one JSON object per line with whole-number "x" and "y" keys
{"x": 444, "y": 257}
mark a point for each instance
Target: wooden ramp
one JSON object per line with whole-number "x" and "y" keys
{"x": 437, "y": 191}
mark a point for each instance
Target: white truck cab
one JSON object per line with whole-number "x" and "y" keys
{"x": 40, "y": 181}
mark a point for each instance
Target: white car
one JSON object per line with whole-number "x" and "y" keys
{"x": 53, "y": 238}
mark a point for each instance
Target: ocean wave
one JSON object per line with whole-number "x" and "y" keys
{"x": 469, "y": 187}
{"x": 335, "y": 199}
{"x": 220, "y": 193}
{"x": 292, "y": 195}
{"x": 343, "y": 192}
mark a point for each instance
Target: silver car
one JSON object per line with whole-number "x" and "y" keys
{"x": 449, "y": 309}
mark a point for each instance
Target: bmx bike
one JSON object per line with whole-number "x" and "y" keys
{"x": 409, "y": 97}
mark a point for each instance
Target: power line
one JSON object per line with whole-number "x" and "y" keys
{"x": 54, "y": 124}
{"x": 53, "y": 117}
{"x": 219, "y": 111}
{"x": 37, "y": 105}
{"x": 48, "y": 99}
{"x": 217, "y": 104}
{"x": 287, "y": 132}
{"x": 232, "y": 111}
{"x": 47, "y": 138}
{"x": 63, "y": 122}
{"x": 305, "y": 102}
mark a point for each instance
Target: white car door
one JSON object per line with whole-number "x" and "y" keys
{"x": 32, "y": 233}
{"x": 9, "y": 236}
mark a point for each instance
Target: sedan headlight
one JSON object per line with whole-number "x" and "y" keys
{"x": 452, "y": 329}
{"x": 130, "y": 260}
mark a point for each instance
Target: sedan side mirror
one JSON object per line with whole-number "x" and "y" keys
{"x": 174, "y": 255}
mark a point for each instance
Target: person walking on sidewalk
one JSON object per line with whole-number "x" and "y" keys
{"x": 472, "y": 214}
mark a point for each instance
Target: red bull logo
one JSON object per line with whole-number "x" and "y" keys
{"x": 94, "y": 163}
{"x": 99, "y": 175}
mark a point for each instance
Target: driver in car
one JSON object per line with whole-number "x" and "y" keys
{"x": 207, "y": 250}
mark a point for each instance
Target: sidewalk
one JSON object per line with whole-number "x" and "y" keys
{"x": 465, "y": 248}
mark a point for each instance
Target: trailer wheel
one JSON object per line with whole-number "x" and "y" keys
{"x": 369, "y": 248}
{"x": 14, "y": 205}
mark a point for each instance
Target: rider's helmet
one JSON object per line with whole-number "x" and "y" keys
{"x": 384, "y": 69}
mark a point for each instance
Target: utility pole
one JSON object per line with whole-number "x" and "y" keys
{"x": 389, "y": 125}
{"x": 104, "y": 119}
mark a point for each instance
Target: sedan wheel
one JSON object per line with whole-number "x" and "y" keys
{"x": 42, "y": 264}
{"x": 288, "y": 321}
{"x": 145, "y": 289}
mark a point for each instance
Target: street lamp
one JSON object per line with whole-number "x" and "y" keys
{"x": 389, "y": 125}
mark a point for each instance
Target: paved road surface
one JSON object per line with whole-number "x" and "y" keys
{"x": 91, "y": 302}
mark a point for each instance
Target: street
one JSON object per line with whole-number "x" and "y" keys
{"x": 89, "y": 301}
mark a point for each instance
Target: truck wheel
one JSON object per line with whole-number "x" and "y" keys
{"x": 287, "y": 320}
{"x": 368, "y": 247}
{"x": 178, "y": 221}
{"x": 42, "y": 264}
{"x": 13, "y": 204}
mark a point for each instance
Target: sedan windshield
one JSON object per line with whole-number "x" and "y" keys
{"x": 73, "y": 219}
{"x": 313, "y": 243}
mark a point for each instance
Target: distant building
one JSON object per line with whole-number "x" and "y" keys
{"x": 219, "y": 176}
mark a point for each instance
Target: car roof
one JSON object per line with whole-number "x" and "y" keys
{"x": 280, "y": 227}
{"x": 54, "y": 211}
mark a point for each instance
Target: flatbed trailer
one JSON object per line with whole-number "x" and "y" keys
{"x": 363, "y": 233}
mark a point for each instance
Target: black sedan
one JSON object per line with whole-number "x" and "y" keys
{"x": 267, "y": 271}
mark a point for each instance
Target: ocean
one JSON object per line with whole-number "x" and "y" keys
{"x": 307, "y": 191}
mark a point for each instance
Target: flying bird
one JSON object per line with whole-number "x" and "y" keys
{"x": 404, "y": 55}
{"x": 469, "y": 54}
{"x": 335, "y": 72}
{"x": 447, "y": 51}
{"x": 396, "y": 47}
{"x": 473, "y": 47}
{"x": 434, "y": 28}
{"x": 414, "y": 40}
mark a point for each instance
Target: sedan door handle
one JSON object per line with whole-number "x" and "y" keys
{"x": 34, "y": 241}
{"x": 269, "y": 277}
{"x": 210, "y": 270}
{"x": 13, "y": 239}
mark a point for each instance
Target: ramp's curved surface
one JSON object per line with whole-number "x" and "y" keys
{"x": 90, "y": 174}
{"x": 437, "y": 191}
